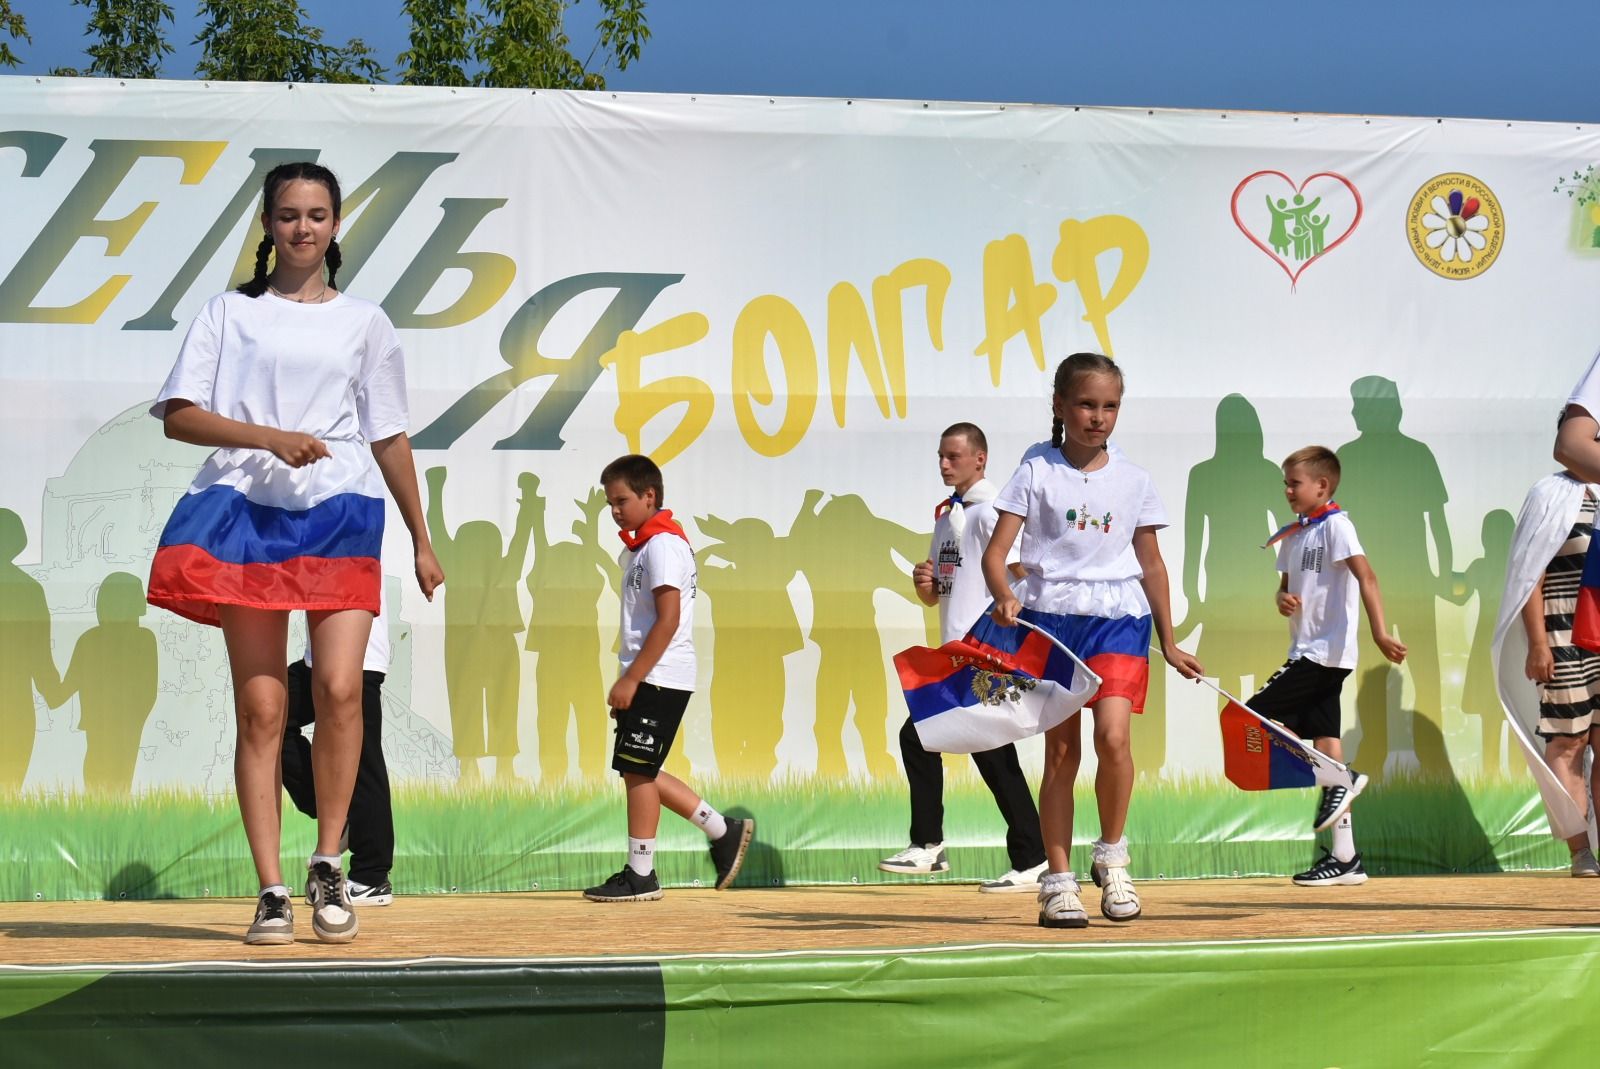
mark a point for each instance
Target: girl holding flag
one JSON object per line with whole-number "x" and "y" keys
{"x": 301, "y": 390}
{"x": 1094, "y": 580}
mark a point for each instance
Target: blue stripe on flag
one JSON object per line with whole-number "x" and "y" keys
{"x": 236, "y": 530}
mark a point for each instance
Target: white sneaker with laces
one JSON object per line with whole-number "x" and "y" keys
{"x": 917, "y": 860}
{"x": 1059, "y": 904}
{"x": 1016, "y": 880}
{"x": 1584, "y": 865}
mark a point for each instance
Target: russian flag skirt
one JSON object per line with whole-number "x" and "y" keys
{"x": 253, "y": 531}
{"x": 1115, "y": 648}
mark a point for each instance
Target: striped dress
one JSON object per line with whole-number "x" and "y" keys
{"x": 253, "y": 531}
{"x": 1567, "y": 704}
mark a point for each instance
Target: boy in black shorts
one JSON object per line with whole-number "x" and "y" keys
{"x": 658, "y": 669}
{"x": 1325, "y": 572}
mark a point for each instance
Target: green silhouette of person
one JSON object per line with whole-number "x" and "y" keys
{"x": 1392, "y": 488}
{"x": 756, "y": 628}
{"x": 566, "y": 582}
{"x": 1278, "y": 237}
{"x": 482, "y": 618}
{"x": 113, "y": 672}
{"x": 1485, "y": 578}
{"x": 26, "y": 662}
{"x": 845, "y": 553}
{"x": 1231, "y": 508}
{"x": 1318, "y": 225}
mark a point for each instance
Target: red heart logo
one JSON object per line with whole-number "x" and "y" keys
{"x": 1278, "y": 235}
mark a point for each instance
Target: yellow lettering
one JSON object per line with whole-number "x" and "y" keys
{"x": 1013, "y": 303}
{"x": 882, "y": 356}
{"x": 770, "y": 316}
{"x": 1076, "y": 260}
{"x": 638, "y": 404}
{"x": 76, "y": 219}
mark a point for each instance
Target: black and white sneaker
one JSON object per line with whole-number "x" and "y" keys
{"x": 727, "y": 853}
{"x": 1336, "y": 801}
{"x": 333, "y": 917}
{"x": 274, "y": 923}
{"x": 1330, "y": 871}
{"x": 627, "y": 886}
{"x": 377, "y": 894}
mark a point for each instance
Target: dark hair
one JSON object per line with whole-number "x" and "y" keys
{"x": 277, "y": 178}
{"x": 639, "y": 472}
{"x": 1069, "y": 369}
{"x": 1319, "y": 461}
{"x": 971, "y": 432}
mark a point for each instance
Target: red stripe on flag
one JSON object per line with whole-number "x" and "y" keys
{"x": 1246, "y": 750}
{"x": 192, "y": 583}
{"x": 1122, "y": 675}
{"x": 1586, "y": 620}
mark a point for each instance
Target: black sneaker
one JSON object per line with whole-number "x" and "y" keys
{"x": 626, "y": 886}
{"x": 1330, "y": 871}
{"x": 1336, "y": 801}
{"x": 727, "y": 853}
{"x": 376, "y": 894}
{"x": 274, "y": 923}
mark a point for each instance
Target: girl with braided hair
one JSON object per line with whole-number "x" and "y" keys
{"x": 301, "y": 391}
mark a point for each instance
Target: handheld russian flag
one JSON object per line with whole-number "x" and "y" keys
{"x": 966, "y": 698}
{"x": 1261, "y": 755}
{"x": 1586, "y": 617}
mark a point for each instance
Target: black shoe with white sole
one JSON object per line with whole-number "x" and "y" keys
{"x": 626, "y": 886}
{"x": 1329, "y": 871}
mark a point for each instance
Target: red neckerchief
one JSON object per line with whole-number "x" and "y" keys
{"x": 661, "y": 523}
{"x": 1310, "y": 519}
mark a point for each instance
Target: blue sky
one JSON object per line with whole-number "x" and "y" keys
{"x": 1531, "y": 60}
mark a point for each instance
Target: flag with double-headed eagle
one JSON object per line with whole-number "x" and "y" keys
{"x": 967, "y": 696}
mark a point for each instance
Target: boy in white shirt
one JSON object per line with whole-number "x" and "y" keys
{"x": 952, "y": 578}
{"x": 658, "y": 670}
{"x": 1325, "y": 572}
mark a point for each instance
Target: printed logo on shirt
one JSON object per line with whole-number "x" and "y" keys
{"x": 636, "y": 577}
{"x": 1079, "y": 519}
{"x": 1311, "y": 559}
{"x": 949, "y": 561}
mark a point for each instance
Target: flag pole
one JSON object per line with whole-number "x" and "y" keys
{"x": 1273, "y": 725}
{"x": 1062, "y": 646}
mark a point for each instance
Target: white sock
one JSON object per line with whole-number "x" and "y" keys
{"x": 336, "y": 862}
{"x": 642, "y": 855}
{"x": 275, "y": 889}
{"x": 708, "y": 820}
{"x": 1344, "y": 840}
{"x": 1052, "y": 882}
{"x": 1116, "y": 853}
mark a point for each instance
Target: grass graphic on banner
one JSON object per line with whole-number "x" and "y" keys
{"x": 186, "y": 845}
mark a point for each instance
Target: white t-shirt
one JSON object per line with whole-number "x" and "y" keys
{"x": 1079, "y": 526}
{"x": 958, "y": 560}
{"x": 1324, "y": 628}
{"x": 378, "y": 655}
{"x": 332, "y": 370}
{"x": 1587, "y": 391}
{"x": 665, "y": 560}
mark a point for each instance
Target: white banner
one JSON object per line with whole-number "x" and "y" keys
{"x": 785, "y": 302}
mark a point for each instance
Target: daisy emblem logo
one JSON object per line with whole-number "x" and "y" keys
{"x": 1456, "y": 226}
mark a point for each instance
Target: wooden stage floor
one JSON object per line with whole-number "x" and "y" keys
{"x": 697, "y": 922}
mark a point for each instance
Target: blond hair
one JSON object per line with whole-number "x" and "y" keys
{"x": 1319, "y": 461}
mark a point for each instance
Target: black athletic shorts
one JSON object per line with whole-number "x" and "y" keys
{"x": 646, "y": 728}
{"x": 1304, "y": 697}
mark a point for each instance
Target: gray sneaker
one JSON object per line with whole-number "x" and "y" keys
{"x": 333, "y": 916}
{"x": 1584, "y": 866}
{"x": 274, "y": 923}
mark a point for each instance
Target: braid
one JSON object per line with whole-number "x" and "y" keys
{"x": 334, "y": 259}
{"x": 1058, "y": 433}
{"x": 256, "y": 284}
